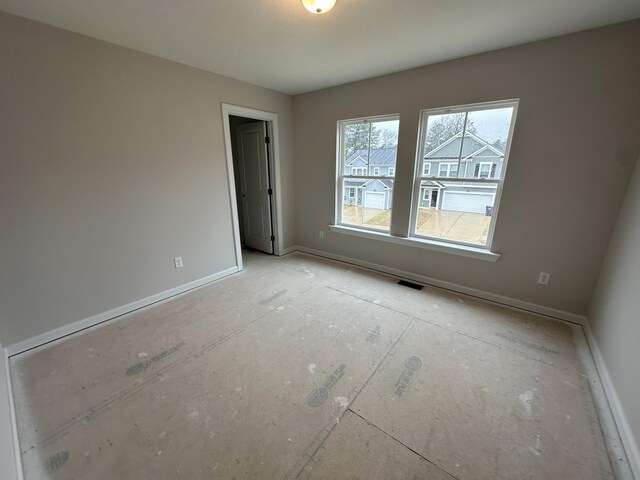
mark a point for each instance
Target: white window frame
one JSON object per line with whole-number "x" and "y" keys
{"x": 340, "y": 168}
{"x": 448, "y": 166}
{"x": 490, "y": 164}
{"x": 376, "y": 171}
{"x": 498, "y": 181}
{"x": 358, "y": 171}
{"x": 391, "y": 172}
{"x": 351, "y": 192}
{"x": 426, "y": 169}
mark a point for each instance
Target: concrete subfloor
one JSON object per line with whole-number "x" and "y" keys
{"x": 300, "y": 367}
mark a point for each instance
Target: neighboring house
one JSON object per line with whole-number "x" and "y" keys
{"x": 479, "y": 159}
{"x": 372, "y": 193}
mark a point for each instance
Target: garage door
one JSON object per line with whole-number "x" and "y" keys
{"x": 466, "y": 202}
{"x": 374, "y": 200}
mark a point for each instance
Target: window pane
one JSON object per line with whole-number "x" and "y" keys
{"x": 455, "y": 211}
{"x": 440, "y": 131}
{"x": 367, "y": 202}
{"x": 369, "y": 147}
{"x": 492, "y": 126}
{"x": 469, "y": 140}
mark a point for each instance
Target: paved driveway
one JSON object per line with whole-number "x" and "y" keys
{"x": 460, "y": 226}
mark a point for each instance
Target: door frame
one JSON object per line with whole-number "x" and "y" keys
{"x": 274, "y": 172}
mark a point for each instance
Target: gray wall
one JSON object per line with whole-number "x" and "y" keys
{"x": 112, "y": 163}
{"x": 614, "y": 313}
{"x": 575, "y": 142}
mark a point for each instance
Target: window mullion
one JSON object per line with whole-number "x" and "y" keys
{"x": 464, "y": 130}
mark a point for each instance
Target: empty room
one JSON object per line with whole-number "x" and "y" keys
{"x": 319, "y": 239}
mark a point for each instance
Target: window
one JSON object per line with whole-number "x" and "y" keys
{"x": 367, "y": 143}
{"x": 470, "y": 146}
{"x": 459, "y": 173}
{"x": 448, "y": 170}
{"x": 485, "y": 170}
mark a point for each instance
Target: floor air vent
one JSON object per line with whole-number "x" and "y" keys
{"x": 415, "y": 286}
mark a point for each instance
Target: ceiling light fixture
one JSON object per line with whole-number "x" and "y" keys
{"x": 318, "y": 6}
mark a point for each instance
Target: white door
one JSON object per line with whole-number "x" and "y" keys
{"x": 466, "y": 202}
{"x": 253, "y": 162}
{"x": 374, "y": 200}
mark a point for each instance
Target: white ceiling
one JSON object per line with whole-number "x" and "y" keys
{"x": 279, "y": 45}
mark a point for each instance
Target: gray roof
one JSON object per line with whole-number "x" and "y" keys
{"x": 354, "y": 183}
{"x": 451, "y": 148}
{"x": 386, "y": 182}
{"x": 379, "y": 157}
{"x": 431, "y": 184}
{"x": 361, "y": 183}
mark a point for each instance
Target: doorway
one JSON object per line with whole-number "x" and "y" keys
{"x": 253, "y": 168}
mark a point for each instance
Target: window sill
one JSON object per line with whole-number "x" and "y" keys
{"x": 462, "y": 250}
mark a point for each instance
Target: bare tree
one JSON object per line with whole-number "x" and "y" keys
{"x": 445, "y": 127}
{"x": 359, "y": 136}
{"x": 388, "y": 139}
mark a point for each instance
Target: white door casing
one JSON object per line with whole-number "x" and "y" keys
{"x": 254, "y": 185}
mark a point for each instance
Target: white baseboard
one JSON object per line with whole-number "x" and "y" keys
{"x": 288, "y": 250}
{"x": 474, "y": 292}
{"x": 623, "y": 433}
{"x": 12, "y": 418}
{"x": 10, "y": 437}
{"x": 624, "y": 429}
{"x": 74, "y": 327}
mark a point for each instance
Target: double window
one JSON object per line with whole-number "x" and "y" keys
{"x": 448, "y": 170}
{"x": 367, "y": 147}
{"x": 460, "y": 166}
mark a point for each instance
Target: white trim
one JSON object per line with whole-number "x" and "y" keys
{"x": 274, "y": 135}
{"x": 448, "y": 164}
{"x": 341, "y": 161}
{"x": 429, "y": 244}
{"x": 468, "y": 193}
{"x": 444, "y": 144}
{"x": 289, "y": 250}
{"x": 498, "y": 197}
{"x": 474, "y": 180}
{"x": 74, "y": 327}
{"x": 423, "y": 119}
{"x": 490, "y": 164}
{"x": 629, "y": 442}
{"x": 486, "y": 146}
{"x": 12, "y": 416}
{"x": 350, "y": 164}
{"x": 474, "y": 292}
{"x": 391, "y": 172}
